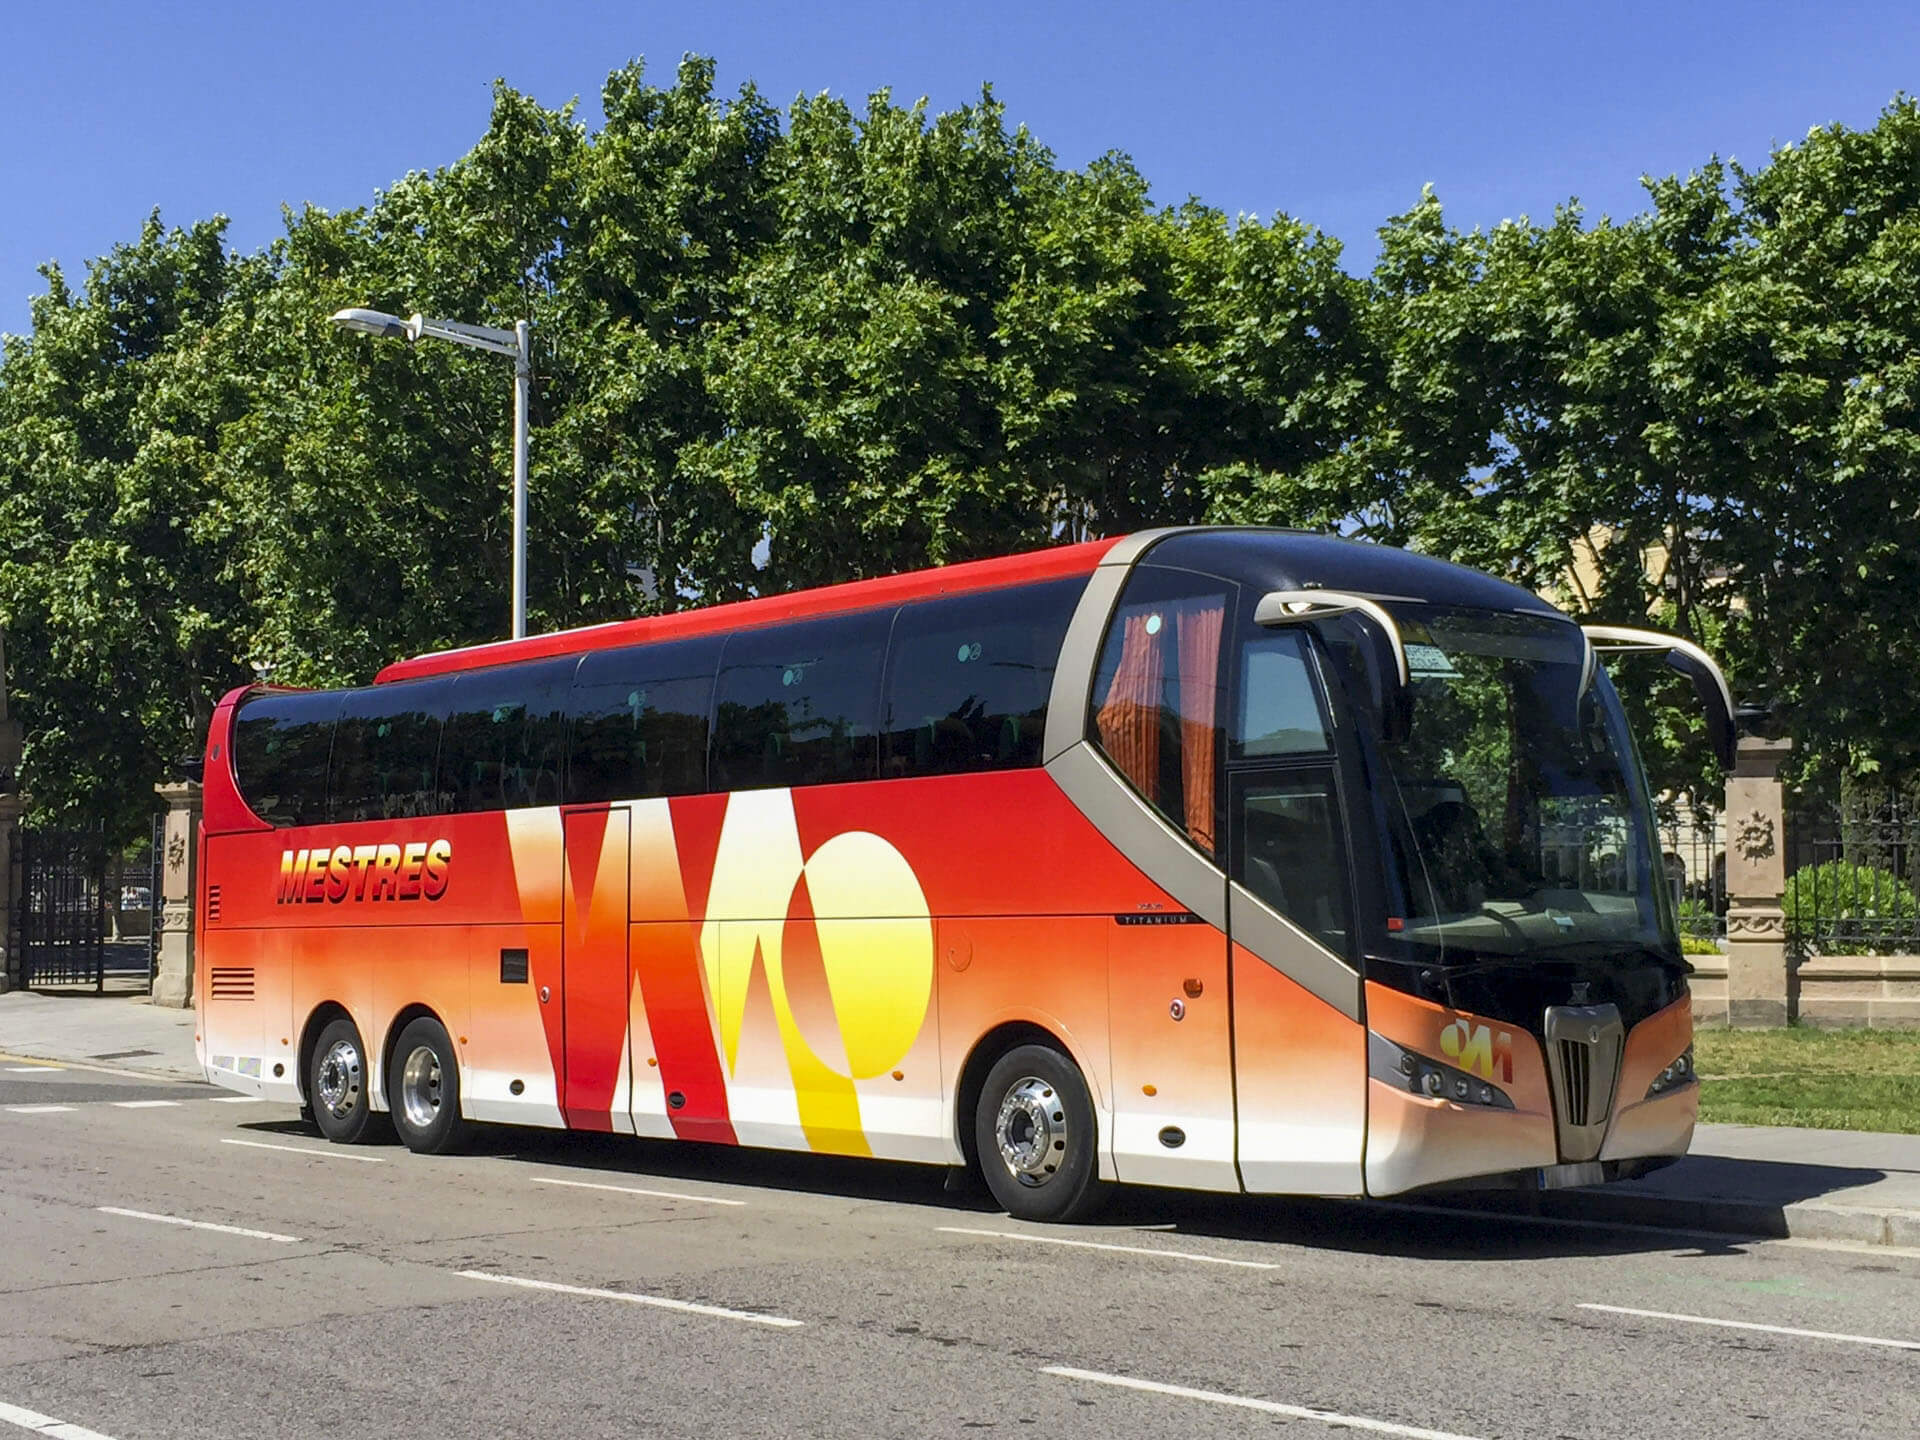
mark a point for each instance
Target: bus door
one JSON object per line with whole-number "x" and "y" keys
{"x": 1300, "y": 1052}
{"x": 594, "y": 1084}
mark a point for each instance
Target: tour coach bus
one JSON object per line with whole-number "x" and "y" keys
{"x": 1232, "y": 859}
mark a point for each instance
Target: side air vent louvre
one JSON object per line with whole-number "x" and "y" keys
{"x": 1584, "y": 1046}
{"x": 213, "y": 904}
{"x": 233, "y": 983}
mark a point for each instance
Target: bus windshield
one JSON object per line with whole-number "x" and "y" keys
{"x": 1519, "y": 823}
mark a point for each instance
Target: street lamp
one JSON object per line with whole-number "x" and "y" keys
{"x": 512, "y": 342}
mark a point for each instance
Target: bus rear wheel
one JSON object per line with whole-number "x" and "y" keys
{"x": 424, "y": 1089}
{"x": 337, "y": 1076}
{"x": 1037, "y": 1139}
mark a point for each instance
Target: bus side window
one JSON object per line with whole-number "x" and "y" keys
{"x": 385, "y": 747}
{"x": 637, "y": 721}
{"x": 799, "y": 704}
{"x": 968, "y": 679}
{"x": 280, "y": 749}
{"x": 1157, "y": 700}
{"x": 505, "y": 741}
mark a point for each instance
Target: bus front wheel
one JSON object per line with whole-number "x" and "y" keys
{"x": 337, "y": 1076}
{"x": 424, "y": 1089}
{"x": 1036, "y": 1137}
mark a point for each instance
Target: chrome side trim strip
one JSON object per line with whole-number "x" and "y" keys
{"x": 1072, "y": 695}
{"x": 1292, "y": 951}
{"x": 1140, "y": 832}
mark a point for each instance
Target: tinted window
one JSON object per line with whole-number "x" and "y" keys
{"x": 280, "y": 748}
{"x": 505, "y": 745}
{"x": 797, "y": 704}
{"x": 1290, "y": 851}
{"x": 639, "y": 721}
{"x": 1157, "y": 710}
{"x": 968, "y": 679}
{"x": 384, "y": 750}
{"x": 1279, "y": 710}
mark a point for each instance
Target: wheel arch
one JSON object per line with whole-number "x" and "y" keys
{"x": 390, "y": 1042}
{"x": 321, "y": 1016}
{"x": 995, "y": 1042}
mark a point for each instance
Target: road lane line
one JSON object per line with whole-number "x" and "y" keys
{"x": 310, "y": 1151}
{"x": 144, "y": 1104}
{"x": 199, "y": 1224}
{"x": 631, "y": 1190}
{"x": 45, "y": 1424}
{"x": 175, "y": 1076}
{"x": 32, "y": 1069}
{"x": 37, "y": 1109}
{"x": 659, "y": 1302}
{"x": 1752, "y": 1325}
{"x": 239, "y": 1099}
{"x": 1119, "y": 1249}
{"x": 1245, "y": 1402}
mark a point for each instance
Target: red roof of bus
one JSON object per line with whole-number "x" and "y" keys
{"x": 1061, "y": 561}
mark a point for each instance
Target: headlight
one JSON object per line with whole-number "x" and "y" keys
{"x": 1429, "y": 1079}
{"x": 1679, "y": 1073}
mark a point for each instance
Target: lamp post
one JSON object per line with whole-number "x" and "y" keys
{"x": 512, "y": 342}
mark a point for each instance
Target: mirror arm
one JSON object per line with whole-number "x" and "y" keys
{"x": 1298, "y": 607}
{"x": 1685, "y": 656}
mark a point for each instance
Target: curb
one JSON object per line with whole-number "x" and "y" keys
{"x": 147, "y": 1072}
{"x": 1745, "y": 1219}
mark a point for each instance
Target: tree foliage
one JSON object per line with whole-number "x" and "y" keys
{"x": 782, "y": 348}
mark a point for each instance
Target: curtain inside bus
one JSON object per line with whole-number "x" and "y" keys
{"x": 1158, "y": 698}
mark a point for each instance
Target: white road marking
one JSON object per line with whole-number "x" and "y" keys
{"x": 1121, "y": 1249}
{"x": 144, "y": 1104}
{"x": 631, "y": 1190}
{"x": 37, "y": 1109}
{"x": 1751, "y": 1325}
{"x": 1245, "y": 1402}
{"x": 192, "y": 1079}
{"x": 32, "y": 1069}
{"x": 309, "y": 1150}
{"x": 45, "y": 1424}
{"x": 239, "y": 1099}
{"x": 199, "y": 1224}
{"x": 658, "y": 1302}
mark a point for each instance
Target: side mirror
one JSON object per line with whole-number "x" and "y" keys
{"x": 1385, "y": 649}
{"x": 1709, "y": 682}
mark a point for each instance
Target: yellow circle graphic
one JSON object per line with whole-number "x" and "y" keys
{"x": 876, "y": 946}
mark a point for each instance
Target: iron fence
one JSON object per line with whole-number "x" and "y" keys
{"x": 1693, "y": 858}
{"x": 1853, "y": 869}
{"x": 61, "y": 917}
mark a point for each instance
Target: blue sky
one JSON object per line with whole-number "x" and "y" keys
{"x": 1334, "y": 113}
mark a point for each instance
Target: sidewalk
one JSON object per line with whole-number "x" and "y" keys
{"x": 122, "y": 1031}
{"x": 1746, "y": 1180}
{"x": 1771, "y": 1180}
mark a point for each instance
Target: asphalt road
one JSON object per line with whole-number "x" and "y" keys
{"x": 588, "y": 1286}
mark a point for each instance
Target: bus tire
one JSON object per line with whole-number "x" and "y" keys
{"x": 1037, "y": 1138}
{"x": 423, "y": 1090}
{"x": 338, "y": 1075}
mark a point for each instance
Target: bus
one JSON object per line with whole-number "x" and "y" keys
{"x": 1226, "y": 858}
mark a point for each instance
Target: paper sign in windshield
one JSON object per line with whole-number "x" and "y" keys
{"x": 1429, "y": 660}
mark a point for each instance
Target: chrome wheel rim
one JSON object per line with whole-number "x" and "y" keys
{"x": 420, "y": 1087}
{"x": 1031, "y": 1131}
{"x": 338, "y": 1087}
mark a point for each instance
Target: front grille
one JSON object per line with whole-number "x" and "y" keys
{"x": 231, "y": 983}
{"x": 1576, "y": 1071}
{"x": 1584, "y": 1046}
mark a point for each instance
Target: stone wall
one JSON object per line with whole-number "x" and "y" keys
{"x": 1828, "y": 991}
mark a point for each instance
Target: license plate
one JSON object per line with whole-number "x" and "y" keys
{"x": 1566, "y": 1177}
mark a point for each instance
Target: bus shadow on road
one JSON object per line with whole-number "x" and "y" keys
{"x": 1426, "y": 1229}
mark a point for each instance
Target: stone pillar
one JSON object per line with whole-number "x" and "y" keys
{"x": 12, "y": 976}
{"x": 174, "y": 905}
{"x": 1757, "y": 982}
